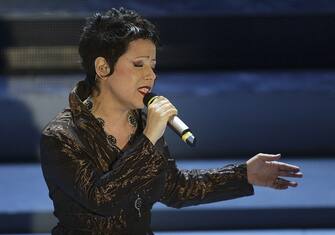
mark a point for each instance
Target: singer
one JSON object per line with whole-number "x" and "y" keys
{"x": 104, "y": 158}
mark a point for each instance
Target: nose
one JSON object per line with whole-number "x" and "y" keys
{"x": 150, "y": 74}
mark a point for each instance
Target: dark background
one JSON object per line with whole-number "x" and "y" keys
{"x": 247, "y": 76}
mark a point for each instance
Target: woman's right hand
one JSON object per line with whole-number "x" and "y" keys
{"x": 159, "y": 113}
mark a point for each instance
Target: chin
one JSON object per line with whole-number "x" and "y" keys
{"x": 138, "y": 105}
{"x": 141, "y": 106}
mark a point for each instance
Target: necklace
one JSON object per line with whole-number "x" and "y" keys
{"x": 131, "y": 118}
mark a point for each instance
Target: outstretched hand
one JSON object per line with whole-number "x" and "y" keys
{"x": 264, "y": 170}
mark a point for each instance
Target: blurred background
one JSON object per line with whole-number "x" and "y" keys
{"x": 247, "y": 76}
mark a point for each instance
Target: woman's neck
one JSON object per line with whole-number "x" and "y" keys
{"x": 110, "y": 111}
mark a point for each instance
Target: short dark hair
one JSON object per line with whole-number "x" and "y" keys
{"x": 108, "y": 35}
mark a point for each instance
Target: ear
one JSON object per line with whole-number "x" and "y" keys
{"x": 101, "y": 67}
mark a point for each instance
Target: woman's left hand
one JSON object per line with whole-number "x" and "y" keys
{"x": 264, "y": 170}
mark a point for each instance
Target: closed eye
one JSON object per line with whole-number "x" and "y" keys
{"x": 138, "y": 64}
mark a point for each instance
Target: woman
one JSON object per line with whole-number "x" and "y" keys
{"x": 105, "y": 160}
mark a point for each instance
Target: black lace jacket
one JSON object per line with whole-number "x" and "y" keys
{"x": 96, "y": 188}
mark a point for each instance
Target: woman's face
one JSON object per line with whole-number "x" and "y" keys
{"x": 133, "y": 74}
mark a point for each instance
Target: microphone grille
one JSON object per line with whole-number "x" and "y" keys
{"x": 148, "y": 97}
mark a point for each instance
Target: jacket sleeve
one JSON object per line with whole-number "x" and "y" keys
{"x": 67, "y": 167}
{"x": 198, "y": 186}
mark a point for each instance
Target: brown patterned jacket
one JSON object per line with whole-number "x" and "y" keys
{"x": 97, "y": 188}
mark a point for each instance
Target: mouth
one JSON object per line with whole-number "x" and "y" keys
{"x": 144, "y": 90}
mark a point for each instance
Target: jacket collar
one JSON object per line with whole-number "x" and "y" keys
{"x": 85, "y": 120}
{"x": 79, "y": 105}
{"x": 77, "y": 97}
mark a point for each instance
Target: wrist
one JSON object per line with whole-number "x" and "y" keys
{"x": 243, "y": 171}
{"x": 152, "y": 139}
{"x": 249, "y": 175}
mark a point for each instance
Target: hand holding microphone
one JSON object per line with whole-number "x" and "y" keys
{"x": 160, "y": 113}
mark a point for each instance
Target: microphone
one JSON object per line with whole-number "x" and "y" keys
{"x": 177, "y": 125}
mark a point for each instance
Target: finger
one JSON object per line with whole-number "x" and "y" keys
{"x": 162, "y": 98}
{"x": 287, "y": 167}
{"x": 281, "y": 183}
{"x": 157, "y": 105}
{"x": 169, "y": 113}
{"x": 166, "y": 107}
{"x": 281, "y": 187}
{"x": 161, "y": 105}
{"x": 290, "y": 174}
{"x": 269, "y": 157}
{"x": 158, "y": 99}
{"x": 292, "y": 184}
{"x": 159, "y": 102}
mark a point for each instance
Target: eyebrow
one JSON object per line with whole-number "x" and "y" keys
{"x": 144, "y": 56}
